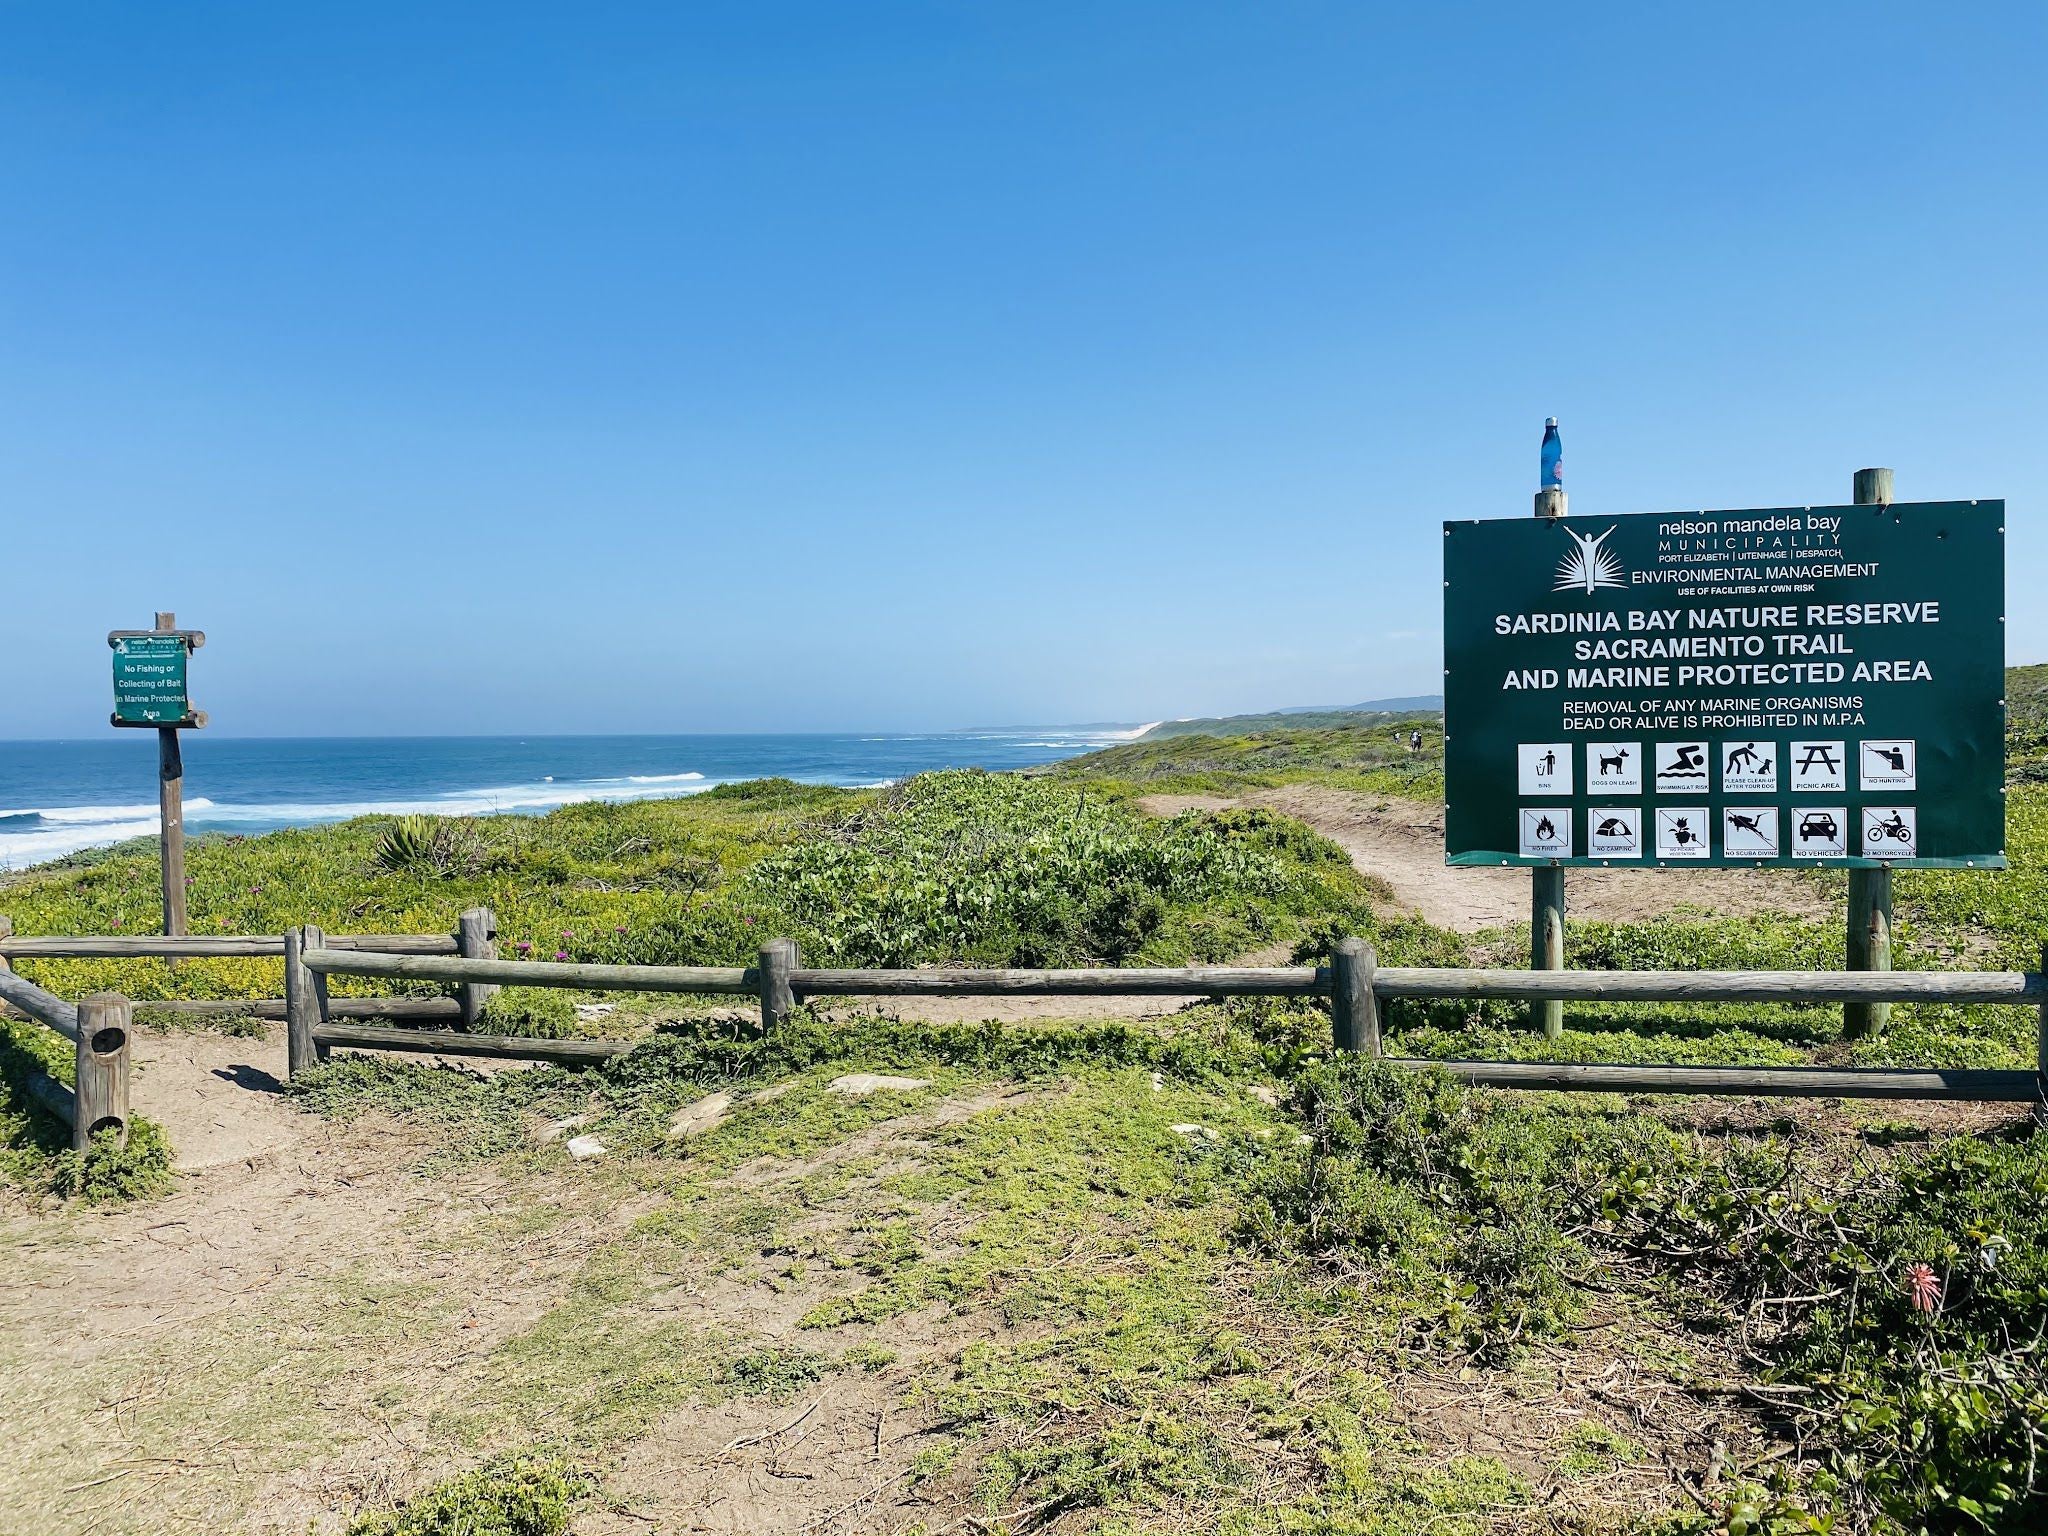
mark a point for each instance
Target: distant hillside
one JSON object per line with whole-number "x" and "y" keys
{"x": 1371, "y": 748}
{"x": 1367, "y": 752}
{"x": 1404, "y": 706}
{"x": 1425, "y": 707}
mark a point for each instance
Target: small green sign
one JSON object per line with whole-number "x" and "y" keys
{"x": 1796, "y": 686}
{"x": 149, "y": 680}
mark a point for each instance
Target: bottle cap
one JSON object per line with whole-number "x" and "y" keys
{"x": 1550, "y": 421}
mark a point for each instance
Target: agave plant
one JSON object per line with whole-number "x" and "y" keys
{"x": 426, "y": 845}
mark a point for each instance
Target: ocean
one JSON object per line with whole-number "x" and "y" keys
{"x": 57, "y": 797}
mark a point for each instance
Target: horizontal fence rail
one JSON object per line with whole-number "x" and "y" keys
{"x": 1982, "y": 1084}
{"x": 1714, "y": 986}
{"x": 218, "y": 946}
{"x": 474, "y": 938}
{"x": 1212, "y": 981}
{"x": 46, "y": 1008}
{"x": 326, "y": 960}
{"x": 272, "y": 1008}
{"x": 1190, "y": 981}
{"x": 445, "y": 1042}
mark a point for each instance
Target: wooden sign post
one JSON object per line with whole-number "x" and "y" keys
{"x": 1546, "y": 885}
{"x": 150, "y": 693}
{"x": 1870, "y": 890}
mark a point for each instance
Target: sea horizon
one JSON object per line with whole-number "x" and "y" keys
{"x": 63, "y": 796}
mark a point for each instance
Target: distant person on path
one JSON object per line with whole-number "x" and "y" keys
{"x": 1415, "y": 741}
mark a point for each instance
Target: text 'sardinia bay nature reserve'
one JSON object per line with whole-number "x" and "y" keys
{"x": 1797, "y": 686}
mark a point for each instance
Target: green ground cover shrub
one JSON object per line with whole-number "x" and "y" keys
{"x": 36, "y": 1154}
{"x": 515, "y": 1496}
{"x": 1962, "y": 908}
{"x": 998, "y": 869}
{"x": 544, "y": 1013}
{"x": 1899, "y": 1298}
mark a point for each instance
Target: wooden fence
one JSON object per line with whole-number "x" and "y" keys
{"x": 1354, "y": 985}
{"x": 474, "y": 938}
{"x": 99, "y": 1028}
{"x": 1353, "y": 982}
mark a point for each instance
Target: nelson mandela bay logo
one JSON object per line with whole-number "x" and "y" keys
{"x": 1589, "y": 566}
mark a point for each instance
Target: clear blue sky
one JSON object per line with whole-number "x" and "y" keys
{"x": 776, "y": 366}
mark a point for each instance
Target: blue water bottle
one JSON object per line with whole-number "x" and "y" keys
{"x": 1553, "y": 457}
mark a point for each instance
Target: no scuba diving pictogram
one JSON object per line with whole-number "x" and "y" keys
{"x": 1546, "y": 832}
{"x": 1750, "y": 832}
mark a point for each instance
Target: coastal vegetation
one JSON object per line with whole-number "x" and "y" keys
{"x": 1371, "y": 755}
{"x": 1417, "y": 708}
{"x": 962, "y": 867}
{"x": 1080, "y": 1274}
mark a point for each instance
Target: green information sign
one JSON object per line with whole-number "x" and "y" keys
{"x": 149, "y": 680}
{"x": 1798, "y": 686}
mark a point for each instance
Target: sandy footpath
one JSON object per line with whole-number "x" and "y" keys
{"x": 1401, "y": 842}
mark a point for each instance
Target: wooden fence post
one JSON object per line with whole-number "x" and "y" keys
{"x": 170, "y": 800}
{"x": 1354, "y": 1009}
{"x": 1546, "y": 944}
{"x": 2041, "y": 1052}
{"x": 305, "y": 1000}
{"x": 778, "y": 959}
{"x": 100, "y": 1100}
{"x": 476, "y": 938}
{"x": 1870, "y": 890}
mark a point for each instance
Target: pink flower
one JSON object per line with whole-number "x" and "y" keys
{"x": 561, "y": 954}
{"x": 1923, "y": 1287}
{"x": 568, "y": 933}
{"x": 749, "y": 922}
{"x": 524, "y": 946}
{"x": 117, "y": 922}
{"x": 618, "y": 930}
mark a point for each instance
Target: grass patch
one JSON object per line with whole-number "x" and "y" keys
{"x": 36, "y": 1155}
{"x": 514, "y": 1496}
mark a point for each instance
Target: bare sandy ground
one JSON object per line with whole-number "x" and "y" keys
{"x": 271, "y": 1347}
{"x": 1401, "y": 842}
